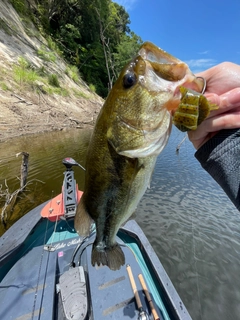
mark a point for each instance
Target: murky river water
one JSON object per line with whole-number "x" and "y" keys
{"x": 192, "y": 225}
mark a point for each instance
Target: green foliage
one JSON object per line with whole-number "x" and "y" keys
{"x": 23, "y": 74}
{"x": 53, "y": 80}
{"x": 4, "y": 26}
{"x": 52, "y": 45}
{"x": 92, "y": 35}
{"x": 46, "y": 55}
{"x": 23, "y": 63}
{"x": 79, "y": 94}
{"x": 4, "y": 86}
{"x": 20, "y": 6}
{"x": 42, "y": 15}
{"x": 126, "y": 50}
{"x": 59, "y": 91}
{"x": 41, "y": 71}
{"x": 92, "y": 87}
{"x": 88, "y": 33}
{"x": 73, "y": 73}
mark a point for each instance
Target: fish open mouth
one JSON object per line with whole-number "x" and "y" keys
{"x": 175, "y": 72}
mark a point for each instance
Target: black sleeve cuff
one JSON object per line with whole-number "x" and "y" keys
{"x": 220, "y": 157}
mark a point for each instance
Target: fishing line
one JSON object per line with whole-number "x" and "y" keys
{"x": 39, "y": 272}
{"x": 68, "y": 228}
{"x": 188, "y": 182}
{"x": 195, "y": 265}
{"x": 44, "y": 249}
{"x": 181, "y": 195}
{"x": 43, "y": 289}
{"x": 54, "y": 232}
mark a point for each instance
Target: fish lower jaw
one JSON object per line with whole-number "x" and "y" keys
{"x": 152, "y": 146}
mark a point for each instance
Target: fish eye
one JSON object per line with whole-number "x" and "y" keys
{"x": 129, "y": 80}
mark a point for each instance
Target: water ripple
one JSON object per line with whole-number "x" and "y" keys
{"x": 195, "y": 231}
{"x": 190, "y": 222}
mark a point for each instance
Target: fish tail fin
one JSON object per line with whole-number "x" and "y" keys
{"x": 82, "y": 220}
{"x": 113, "y": 256}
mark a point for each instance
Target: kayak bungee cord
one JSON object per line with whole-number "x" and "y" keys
{"x": 48, "y": 249}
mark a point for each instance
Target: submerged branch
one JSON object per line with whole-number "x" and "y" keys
{"x": 11, "y": 198}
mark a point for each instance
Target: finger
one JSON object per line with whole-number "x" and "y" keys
{"x": 230, "y": 99}
{"x": 199, "y": 142}
{"x": 226, "y": 102}
{"x": 214, "y": 124}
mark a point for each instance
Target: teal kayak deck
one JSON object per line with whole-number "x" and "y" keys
{"x": 45, "y": 251}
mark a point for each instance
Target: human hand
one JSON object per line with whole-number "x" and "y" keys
{"x": 223, "y": 89}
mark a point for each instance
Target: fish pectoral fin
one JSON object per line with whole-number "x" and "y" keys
{"x": 113, "y": 256}
{"x": 82, "y": 220}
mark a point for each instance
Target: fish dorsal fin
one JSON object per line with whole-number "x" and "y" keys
{"x": 82, "y": 221}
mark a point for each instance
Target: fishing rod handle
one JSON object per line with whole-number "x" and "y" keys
{"x": 149, "y": 299}
{"x": 134, "y": 288}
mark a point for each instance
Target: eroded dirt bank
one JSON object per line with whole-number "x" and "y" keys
{"x": 28, "y": 103}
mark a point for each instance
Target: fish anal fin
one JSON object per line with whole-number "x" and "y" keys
{"x": 113, "y": 256}
{"x": 82, "y": 220}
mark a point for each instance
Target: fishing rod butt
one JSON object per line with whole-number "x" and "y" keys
{"x": 148, "y": 297}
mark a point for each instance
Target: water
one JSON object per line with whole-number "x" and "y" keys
{"x": 195, "y": 231}
{"x": 45, "y": 174}
{"x": 190, "y": 222}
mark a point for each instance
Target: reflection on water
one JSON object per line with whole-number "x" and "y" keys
{"x": 193, "y": 227}
{"x": 195, "y": 231}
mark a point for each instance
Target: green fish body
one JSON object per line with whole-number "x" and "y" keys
{"x": 132, "y": 129}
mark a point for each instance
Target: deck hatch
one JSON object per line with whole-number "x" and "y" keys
{"x": 73, "y": 292}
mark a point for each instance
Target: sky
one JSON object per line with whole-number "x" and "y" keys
{"x": 200, "y": 33}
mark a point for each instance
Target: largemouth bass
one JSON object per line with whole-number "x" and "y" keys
{"x": 132, "y": 129}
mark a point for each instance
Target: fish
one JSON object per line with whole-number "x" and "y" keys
{"x": 131, "y": 130}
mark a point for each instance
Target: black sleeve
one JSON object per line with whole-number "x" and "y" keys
{"x": 220, "y": 157}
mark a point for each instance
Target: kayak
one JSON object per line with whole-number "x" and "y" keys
{"x": 46, "y": 270}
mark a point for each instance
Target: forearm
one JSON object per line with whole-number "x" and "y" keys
{"x": 220, "y": 157}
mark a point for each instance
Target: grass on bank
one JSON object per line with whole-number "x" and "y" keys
{"x": 46, "y": 55}
{"x": 23, "y": 73}
{"x": 25, "y": 76}
{"x": 38, "y": 79}
{"x": 73, "y": 73}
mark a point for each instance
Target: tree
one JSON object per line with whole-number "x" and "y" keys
{"x": 94, "y": 35}
{"x": 126, "y": 50}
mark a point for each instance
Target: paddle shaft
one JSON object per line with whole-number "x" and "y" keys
{"x": 145, "y": 289}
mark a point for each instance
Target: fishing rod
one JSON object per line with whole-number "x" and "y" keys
{"x": 149, "y": 299}
{"x": 142, "y": 314}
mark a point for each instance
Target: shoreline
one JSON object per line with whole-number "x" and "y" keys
{"x": 35, "y": 113}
